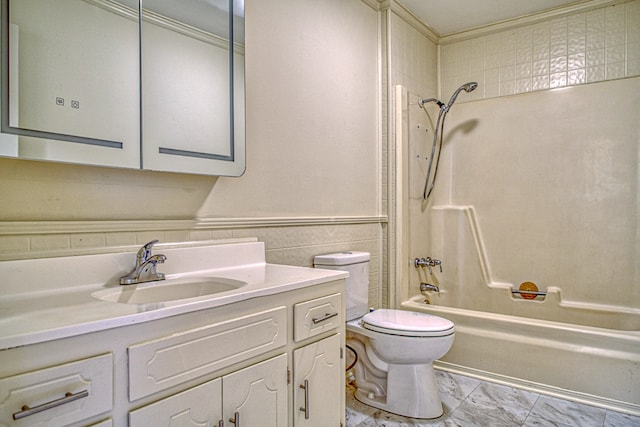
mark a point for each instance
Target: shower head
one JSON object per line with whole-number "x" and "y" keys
{"x": 467, "y": 87}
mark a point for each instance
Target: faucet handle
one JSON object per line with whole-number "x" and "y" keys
{"x": 144, "y": 253}
{"x": 428, "y": 262}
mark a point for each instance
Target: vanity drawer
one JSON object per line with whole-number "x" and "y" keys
{"x": 169, "y": 361}
{"x": 316, "y": 316}
{"x": 59, "y": 395}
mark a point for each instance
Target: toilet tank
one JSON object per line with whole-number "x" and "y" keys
{"x": 357, "y": 284}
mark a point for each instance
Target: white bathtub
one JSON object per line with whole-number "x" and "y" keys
{"x": 569, "y": 359}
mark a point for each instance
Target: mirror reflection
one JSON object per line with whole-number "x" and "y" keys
{"x": 187, "y": 89}
{"x": 96, "y": 82}
{"x": 70, "y": 73}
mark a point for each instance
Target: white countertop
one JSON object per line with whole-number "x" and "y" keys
{"x": 48, "y": 314}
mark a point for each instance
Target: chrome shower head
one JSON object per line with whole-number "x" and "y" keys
{"x": 467, "y": 87}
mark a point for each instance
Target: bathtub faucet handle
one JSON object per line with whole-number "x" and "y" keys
{"x": 437, "y": 262}
{"x": 421, "y": 262}
{"x": 428, "y": 262}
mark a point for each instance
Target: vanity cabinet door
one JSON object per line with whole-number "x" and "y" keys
{"x": 318, "y": 383}
{"x": 197, "y": 406}
{"x": 257, "y": 395}
{"x": 254, "y": 396}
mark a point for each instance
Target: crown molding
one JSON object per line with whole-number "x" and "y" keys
{"x": 406, "y": 15}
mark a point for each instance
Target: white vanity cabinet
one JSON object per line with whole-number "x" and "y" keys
{"x": 319, "y": 365}
{"x": 318, "y": 372}
{"x": 240, "y": 364}
{"x": 256, "y": 395}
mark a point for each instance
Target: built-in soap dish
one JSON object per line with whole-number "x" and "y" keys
{"x": 528, "y": 291}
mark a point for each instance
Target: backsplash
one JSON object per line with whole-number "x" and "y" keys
{"x": 586, "y": 47}
{"x": 286, "y": 244}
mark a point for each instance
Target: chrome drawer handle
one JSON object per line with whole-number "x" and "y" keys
{"x": 68, "y": 397}
{"x": 321, "y": 319}
{"x": 305, "y": 408}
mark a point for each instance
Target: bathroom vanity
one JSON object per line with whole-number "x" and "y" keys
{"x": 268, "y": 352}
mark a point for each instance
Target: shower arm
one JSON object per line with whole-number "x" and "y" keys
{"x": 437, "y": 101}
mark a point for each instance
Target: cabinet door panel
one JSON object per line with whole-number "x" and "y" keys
{"x": 258, "y": 394}
{"x": 196, "y": 407}
{"x": 320, "y": 365}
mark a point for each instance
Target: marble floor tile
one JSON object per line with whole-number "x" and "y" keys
{"x": 616, "y": 419}
{"x": 493, "y": 405}
{"x": 469, "y": 402}
{"x": 560, "y": 412}
{"x": 454, "y": 389}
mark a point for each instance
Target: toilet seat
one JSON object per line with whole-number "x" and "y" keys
{"x": 407, "y": 323}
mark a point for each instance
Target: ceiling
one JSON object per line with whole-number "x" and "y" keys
{"x": 452, "y": 16}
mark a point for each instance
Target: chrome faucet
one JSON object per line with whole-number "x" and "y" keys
{"x": 145, "y": 269}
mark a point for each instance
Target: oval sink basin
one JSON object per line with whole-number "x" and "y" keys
{"x": 168, "y": 290}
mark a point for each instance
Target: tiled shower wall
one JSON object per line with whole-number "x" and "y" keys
{"x": 584, "y": 47}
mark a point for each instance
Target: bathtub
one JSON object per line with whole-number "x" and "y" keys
{"x": 593, "y": 358}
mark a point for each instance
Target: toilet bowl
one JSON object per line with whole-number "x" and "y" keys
{"x": 395, "y": 371}
{"x": 395, "y": 348}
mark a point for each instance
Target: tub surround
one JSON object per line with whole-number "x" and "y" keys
{"x": 468, "y": 272}
{"x": 47, "y": 299}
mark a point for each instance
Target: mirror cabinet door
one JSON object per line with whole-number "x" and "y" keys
{"x": 149, "y": 84}
{"x": 70, "y": 86}
{"x": 187, "y": 87}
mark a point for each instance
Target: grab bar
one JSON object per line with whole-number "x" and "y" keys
{"x": 518, "y": 291}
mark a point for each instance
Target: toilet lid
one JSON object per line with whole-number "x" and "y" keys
{"x": 407, "y": 323}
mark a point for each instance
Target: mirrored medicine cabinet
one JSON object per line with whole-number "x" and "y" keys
{"x": 149, "y": 84}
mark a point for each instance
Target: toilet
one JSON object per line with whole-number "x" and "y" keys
{"x": 395, "y": 348}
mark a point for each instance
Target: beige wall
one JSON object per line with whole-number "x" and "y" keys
{"x": 413, "y": 64}
{"x": 313, "y": 157}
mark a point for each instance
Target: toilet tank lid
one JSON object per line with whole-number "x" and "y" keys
{"x": 342, "y": 258}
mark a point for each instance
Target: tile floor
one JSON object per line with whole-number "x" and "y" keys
{"x": 469, "y": 402}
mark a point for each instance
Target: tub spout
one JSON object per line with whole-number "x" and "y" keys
{"x": 424, "y": 287}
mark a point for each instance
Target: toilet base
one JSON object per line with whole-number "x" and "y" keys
{"x": 412, "y": 391}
